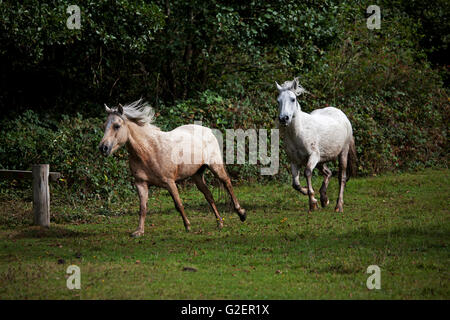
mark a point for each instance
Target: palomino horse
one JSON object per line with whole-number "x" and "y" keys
{"x": 161, "y": 159}
{"x": 314, "y": 139}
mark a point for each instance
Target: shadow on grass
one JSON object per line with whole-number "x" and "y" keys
{"x": 36, "y": 232}
{"x": 404, "y": 238}
{"x": 205, "y": 208}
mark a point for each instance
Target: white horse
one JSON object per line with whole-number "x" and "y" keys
{"x": 314, "y": 139}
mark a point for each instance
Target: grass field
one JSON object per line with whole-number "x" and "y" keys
{"x": 398, "y": 222}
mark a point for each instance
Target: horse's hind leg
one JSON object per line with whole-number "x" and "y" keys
{"x": 219, "y": 171}
{"x": 342, "y": 179}
{"x": 324, "y": 201}
{"x": 142, "y": 189}
{"x": 201, "y": 185}
{"x": 173, "y": 190}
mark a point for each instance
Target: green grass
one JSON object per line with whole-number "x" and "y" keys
{"x": 398, "y": 222}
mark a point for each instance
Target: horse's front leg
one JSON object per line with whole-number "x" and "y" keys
{"x": 142, "y": 189}
{"x": 312, "y": 162}
{"x": 295, "y": 180}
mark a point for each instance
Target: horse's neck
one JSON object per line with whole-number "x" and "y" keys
{"x": 141, "y": 139}
{"x": 297, "y": 124}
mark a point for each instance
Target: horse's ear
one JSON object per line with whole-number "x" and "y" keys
{"x": 107, "y": 109}
{"x": 294, "y": 84}
{"x": 297, "y": 88}
{"x": 120, "y": 109}
{"x": 278, "y": 86}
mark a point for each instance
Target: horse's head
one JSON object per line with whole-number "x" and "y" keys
{"x": 287, "y": 100}
{"x": 116, "y": 131}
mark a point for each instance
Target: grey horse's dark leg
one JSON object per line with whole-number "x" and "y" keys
{"x": 324, "y": 201}
{"x": 342, "y": 179}
{"x": 312, "y": 162}
{"x": 295, "y": 180}
{"x": 201, "y": 185}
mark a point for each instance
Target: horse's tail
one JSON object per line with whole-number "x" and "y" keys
{"x": 351, "y": 162}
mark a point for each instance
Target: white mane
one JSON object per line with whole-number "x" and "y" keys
{"x": 140, "y": 112}
{"x": 294, "y": 86}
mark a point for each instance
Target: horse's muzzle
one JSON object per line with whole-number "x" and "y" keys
{"x": 284, "y": 120}
{"x": 104, "y": 149}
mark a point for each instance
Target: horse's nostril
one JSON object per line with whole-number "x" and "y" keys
{"x": 103, "y": 148}
{"x": 284, "y": 119}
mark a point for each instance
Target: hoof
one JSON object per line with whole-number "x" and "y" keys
{"x": 339, "y": 209}
{"x": 137, "y": 234}
{"x": 219, "y": 223}
{"x": 188, "y": 228}
{"x": 324, "y": 202}
{"x": 313, "y": 206}
{"x": 242, "y": 214}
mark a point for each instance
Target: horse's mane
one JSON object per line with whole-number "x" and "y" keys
{"x": 139, "y": 112}
{"x": 290, "y": 85}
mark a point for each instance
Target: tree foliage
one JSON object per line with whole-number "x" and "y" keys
{"x": 217, "y": 61}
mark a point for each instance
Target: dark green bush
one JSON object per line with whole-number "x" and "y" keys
{"x": 70, "y": 146}
{"x": 216, "y": 62}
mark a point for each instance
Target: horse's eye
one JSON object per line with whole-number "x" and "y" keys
{"x": 292, "y": 99}
{"x": 116, "y": 126}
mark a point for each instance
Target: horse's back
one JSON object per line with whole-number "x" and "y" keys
{"x": 333, "y": 117}
{"x": 331, "y": 112}
{"x": 202, "y": 141}
{"x": 334, "y": 131}
{"x": 195, "y": 132}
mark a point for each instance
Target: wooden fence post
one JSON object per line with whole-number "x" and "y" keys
{"x": 41, "y": 195}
